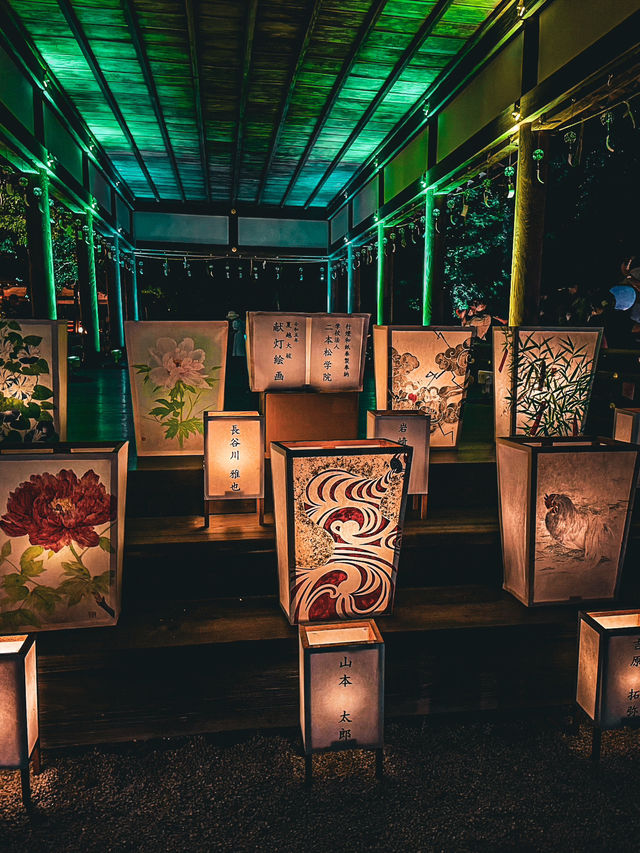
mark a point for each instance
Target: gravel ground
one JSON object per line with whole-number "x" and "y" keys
{"x": 489, "y": 784}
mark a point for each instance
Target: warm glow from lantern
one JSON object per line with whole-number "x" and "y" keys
{"x": 608, "y": 686}
{"x": 18, "y": 700}
{"x": 341, "y": 686}
{"x": 233, "y": 455}
{"x": 412, "y": 429}
{"x": 626, "y": 425}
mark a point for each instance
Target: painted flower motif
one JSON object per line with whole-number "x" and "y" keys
{"x": 55, "y": 509}
{"x": 18, "y": 386}
{"x": 177, "y": 363}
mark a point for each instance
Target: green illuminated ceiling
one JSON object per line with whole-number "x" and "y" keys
{"x": 289, "y": 79}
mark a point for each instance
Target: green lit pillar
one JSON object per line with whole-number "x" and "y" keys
{"x": 380, "y": 276}
{"x": 40, "y": 249}
{"x": 134, "y": 289}
{"x": 115, "y": 310}
{"x": 329, "y": 286}
{"x": 350, "y": 278}
{"x": 88, "y": 287}
{"x": 428, "y": 267}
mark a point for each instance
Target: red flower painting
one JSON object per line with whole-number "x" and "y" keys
{"x": 55, "y": 509}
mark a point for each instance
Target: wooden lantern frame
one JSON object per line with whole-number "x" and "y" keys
{"x": 306, "y": 651}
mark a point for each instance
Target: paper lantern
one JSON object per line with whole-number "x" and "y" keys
{"x": 19, "y": 732}
{"x": 233, "y": 455}
{"x": 424, "y": 368}
{"x": 339, "y": 509}
{"x": 176, "y": 372}
{"x": 290, "y": 351}
{"x": 61, "y": 535}
{"x": 565, "y": 509}
{"x": 412, "y": 428}
{"x": 626, "y": 425}
{"x": 542, "y": 379}
{"x": 341, "y": 686}
{"x": 33, "y": 380}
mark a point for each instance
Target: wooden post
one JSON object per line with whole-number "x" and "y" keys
{"x": 428, "y": 267}
{"x": 528, "y": 234}
{"x": 380, "y": 276}
{"x": 40, "y": 248}
{"x": 329, "y": 287}
{"x": 350, "y": 272}
{"x": 88, "y": 289}
{"x": 115, "y": 301}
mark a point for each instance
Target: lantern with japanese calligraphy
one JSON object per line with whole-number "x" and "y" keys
{"x": 412, "y": 428}
{"x": 19, "y": 731}
{"x": 33, "y": 381}
{"x": 233, "y": 455}
{"x": 341, "y": 686}
{"x": 61, "y": 535}
{"x": 176, "y": 372}
{"x": 608, "y": 687}
{"x": 542, "y": 379}
{"x": 424, "y": 368}
{"x": 321, "y": 352}
{"x": 339, "y": 508}
{"x": 565, "y": 509}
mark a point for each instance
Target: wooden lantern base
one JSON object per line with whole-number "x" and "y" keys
{"x": 210, "y": 504}
{"x": 419, "y": 505}
{"x": 25, "y": 775}
{"x": 308, "y": 766}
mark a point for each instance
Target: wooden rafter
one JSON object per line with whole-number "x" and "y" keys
{"x": 141, "y": 53}
{"x": 364, "y": 32}
{"x": 409, "y": 53}
{"x": 288, "y": 94}
{"x": 249, "y": 31}
{"x": 194, "y": 56}
{"x": 83, "y": 43}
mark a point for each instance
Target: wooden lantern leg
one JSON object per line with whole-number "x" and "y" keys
{"x": 25, "y": 780}
{"x": 380, "y": 763}
{"x": 206, "y": 515}
{"x": 596, "y": 742}
{"x": 37, "y": 759}
{"x": 423, "y": 507}
{"x": 308, "y": 770}
{"x": 260, "y": 511}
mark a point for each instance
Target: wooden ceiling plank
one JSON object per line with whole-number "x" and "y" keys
{"x": 250, "y": 26}
{"x": 194, "y": 57}
{"x": 412, "y": 49}
{"x": 83, "y": 43}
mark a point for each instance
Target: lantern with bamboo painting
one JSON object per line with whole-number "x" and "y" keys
{"x": 341, "y": 687}
{"x": 542, "y": 379}
{"x": 33, "y": 381}
{"x": 61, "y": 535}
{"x": 19, "y": 731}
{"x": 339, "y": 508}
{"x": 288, "y": 351}
{"x": 424, "y": 368}
{"x": 412, "y": 428}
{"x": 565, "y": 509}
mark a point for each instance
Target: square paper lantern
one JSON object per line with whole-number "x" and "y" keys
{"x": 61, "y": 535}
{"x": 608, "y": 688}
{"x": 542, "y": 379}
{"x": 176, "y": 373}
{"x": 19, "y": 731}
{"x": 33, "y": 380}
{"x": 341, "y": 686}
{"x": 409, "y": 428}
{"x": 565, "y": 509}
{"x": 290, "y": 351}
{"x": 424, "y": 368}
{"x": 626, "y": 425}
{"x": 233, "y": 455}
{"x": 339, "y": 508}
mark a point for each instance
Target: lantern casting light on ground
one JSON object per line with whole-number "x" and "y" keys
{"x": 19, "y": 732}
{"x": 233, "y": 455}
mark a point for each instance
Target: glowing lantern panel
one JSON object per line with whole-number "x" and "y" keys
{"x": 542, "y": 379}
{"x": 233, "y": 455}
{"x": 565, "y": 509}
{"x": 626, "y": 425}
{"x": 18, "y": 700}
{"x": 339, "y": 509}
{"x": 608, "y": 688}
{"x": 341, "y": 686}
{"x": 424, "y": 368}
{"x": 409, "y": 428}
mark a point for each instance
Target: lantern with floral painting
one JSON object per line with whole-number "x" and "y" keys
{"x": 339, "y": 508}
{"x": 61, "y": 536}
{"x": 424, "y": 368}
{"x": 542, "y": 379}
{"x": 565, "y": 510}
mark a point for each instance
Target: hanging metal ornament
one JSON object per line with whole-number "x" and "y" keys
{"x": 227, "y": 271}
{"x": 412, "y": 232}
{"x": 435, "y": 213}
{"x": 334, "y": 272}
{"x": 451, "y": 203}
{"x": 210, "y": 268}
{"x": 240, "y": 271}
{"x": 140, "y": 268}
{"x": 403, "y": 239}
{"x": 385, "y": 241}
{"x": 486, "y": 191}
{"x": 630, "y": 114}
{"x": 465, "y": 204}
{"x": 538, "y": 156}
{"x": 165, "y": 268}
{"x": 277, "y": 272}
{"x": 570, "y": 138}
{"x": 369, "y": 255}
{"x": 185, "y": 262}
{"x": 392, "y": 237}
{"x": 509, "y": 172}
{"x": 607, "y": 120}
{"x": 321, "y": 273}
{"x": 356, "y": 260}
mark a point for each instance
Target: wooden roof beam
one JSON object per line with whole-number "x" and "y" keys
{"x": 194, "y": 56}
{"x": 141, "y": 53}
{"x": 409, "y": 53}
{"x": 364, "y": 32}
{"x": 249, "y": 32}
{"x": 83, "y": 43}
{"x": 288, "y": 94}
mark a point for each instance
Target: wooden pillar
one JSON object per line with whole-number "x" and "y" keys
{"x": 528, "y": 234}
{"x": 380, "y": 276}
{"x": 134, "y": 290}
{"x": 40, "y": 249}
{"x": 329, "y": 287}
{"x": 350, "y": 273}
{"x": 428, "y": 268}
{"x": 88, "y": 288}
{"x": 115, "y": 301}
